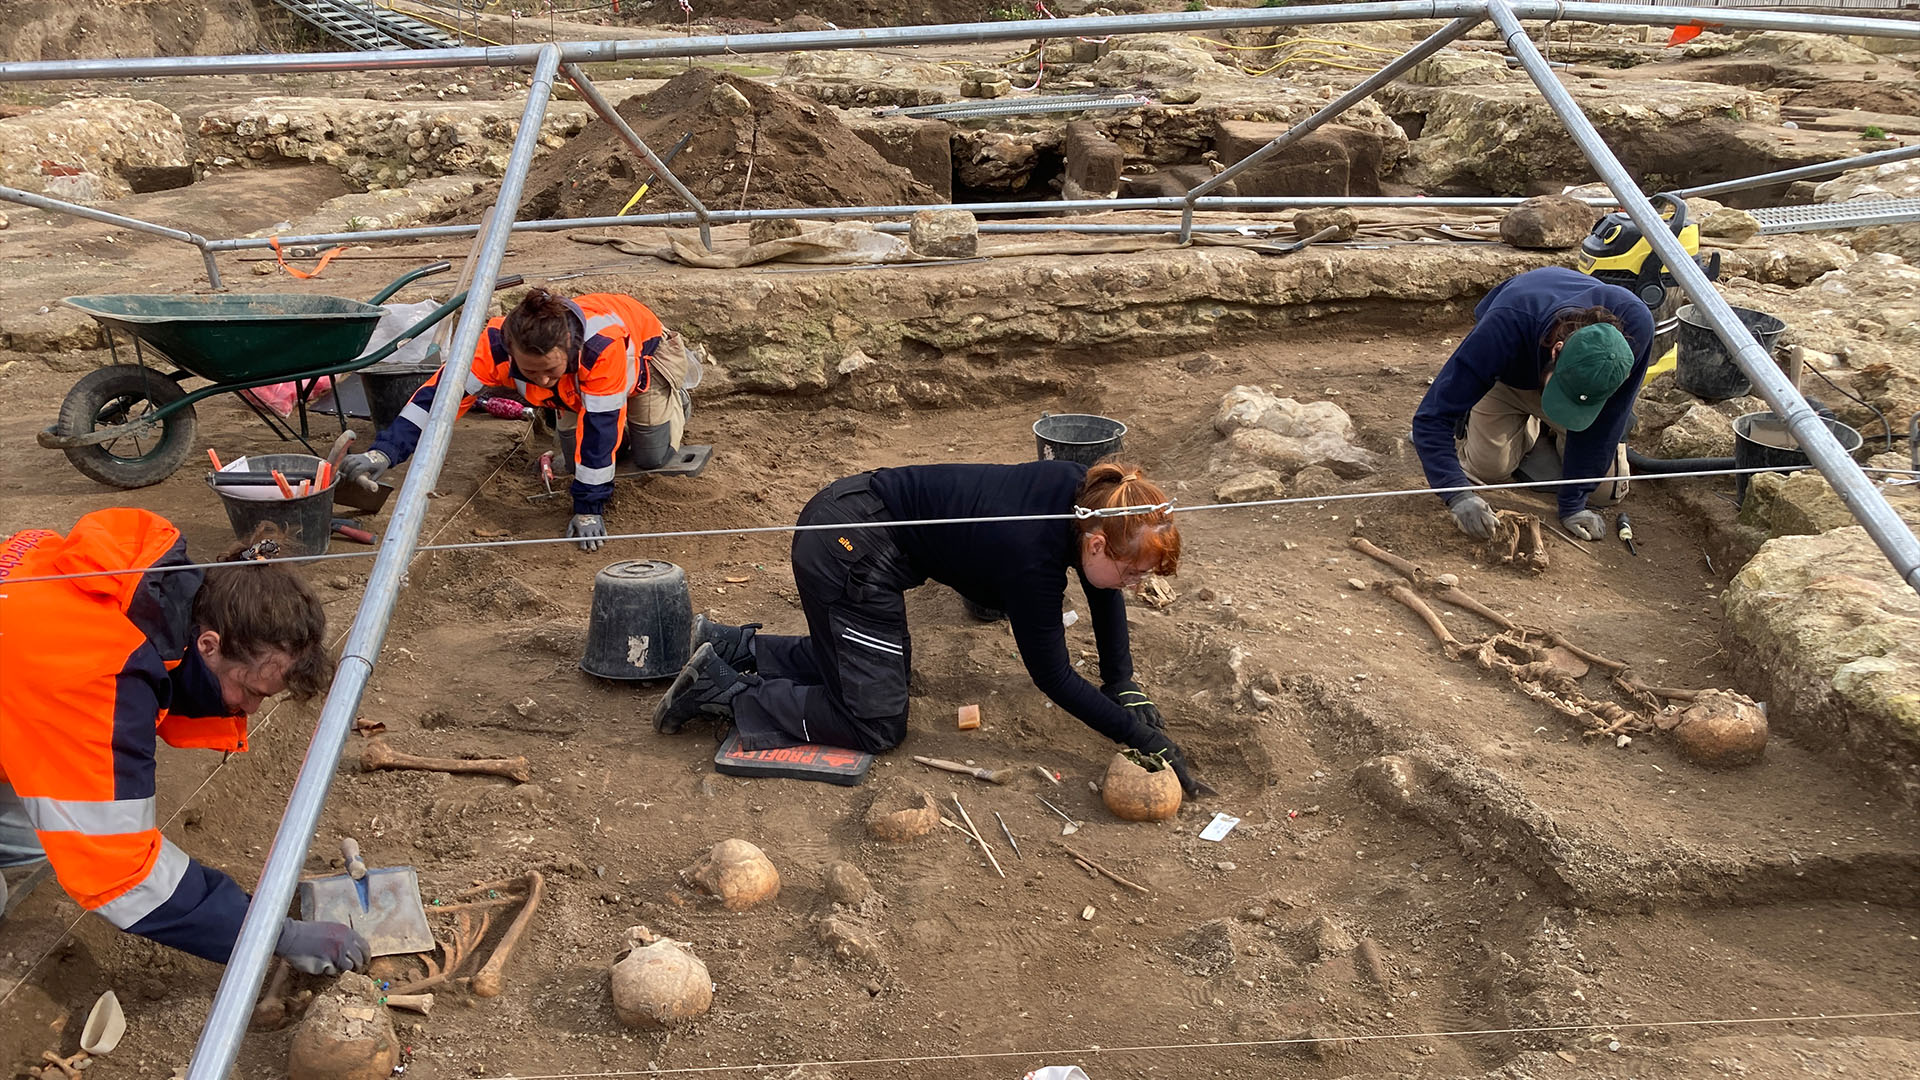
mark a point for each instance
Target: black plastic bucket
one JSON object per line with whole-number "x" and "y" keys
{"x": 642, "y": 614}
{"x": 1080, "y": 437}
{"x": 1705, "y": 368}
{"x": 1761, "y": 441}
{"x": 389, "y": 390}
{"x": 304, "y": 525}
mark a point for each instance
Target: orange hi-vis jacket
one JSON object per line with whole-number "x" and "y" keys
{"x": 618, "y": 337}
{"x": 93, "y": 671}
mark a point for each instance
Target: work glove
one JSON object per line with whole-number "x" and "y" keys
{"x": 322, "y": 948}
{"x": 364, "y": 469}
{"x": 1473, "y": 515}
{"x": 1587, "y": 525}
{"x": 589, "y": 529}
{"x": 1127, "y": 694}
{"x": 1158, "y": 743}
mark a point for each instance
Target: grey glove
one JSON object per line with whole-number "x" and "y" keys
{"x": 364, "y": 469}
{"x": 1587, "y": 525}
{"x": 1473, "y": 515}
{"x": 322, "y": 948}
{"x": 589, "y": 529}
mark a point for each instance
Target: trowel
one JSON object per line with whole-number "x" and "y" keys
{"x": 383, "y": 905}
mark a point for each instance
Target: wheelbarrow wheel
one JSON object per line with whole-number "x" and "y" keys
{"x": 110, "y": 396}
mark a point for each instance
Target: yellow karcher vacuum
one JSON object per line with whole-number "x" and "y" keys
{"x": 1617, "y": 253}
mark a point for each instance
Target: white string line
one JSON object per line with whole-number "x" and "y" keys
{"x": 745, "y": 530}
{"x": 1080, "y": 1051}
{"x": 254, "y": 731}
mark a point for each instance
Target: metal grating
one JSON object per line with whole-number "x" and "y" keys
{"x": 366, "y": 28}
{"x": 1848, "y": 215}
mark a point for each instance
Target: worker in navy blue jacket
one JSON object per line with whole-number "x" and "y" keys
{"x": 1552, "y": 349}
{"x": 846, "y": 683}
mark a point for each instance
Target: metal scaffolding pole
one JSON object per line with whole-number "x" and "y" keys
{"x": 881, "y": 37}
{"x": 605, "y": 110}
{"x": 1440, "y": 40}
{"x": 1721, "y": 18}
{"x": 1804, "y": 172}
{"x": 42, "y": 202}
{"x": 1852, "y": 485}
{"x": 579, "y": 52}
{"x": 233, "y": 1003}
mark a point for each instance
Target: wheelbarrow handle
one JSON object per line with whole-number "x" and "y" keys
{"x": 409, "y": 278}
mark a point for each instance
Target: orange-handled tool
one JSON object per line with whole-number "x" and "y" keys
{"x": 213, "y": 457}
{"x": 324, "y": 479}
{"x": 280, "y": 481}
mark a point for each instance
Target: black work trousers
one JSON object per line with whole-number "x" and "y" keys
{"x": 845, "y": 683}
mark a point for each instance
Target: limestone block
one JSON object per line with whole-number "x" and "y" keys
{"x": 945, "y": 234}
{"x": 1700, "y": 432}
{"x": 1308, "y": 222}
{"x": 1158, "y": 60}
{"x": 1094, "y": 163}
{"x": 1806, "y": 48}
{"x": 1461, "y": 69}
{"x": 1727, "y": 223}
{"x": 1334, "y": 160}
{"x": 1548, "y": 223}
{"x": 1830, "y": 637}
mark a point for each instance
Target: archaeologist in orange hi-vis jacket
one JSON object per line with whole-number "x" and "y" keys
{"x": 616, "y": 378}
{"x": 95, "y": 671}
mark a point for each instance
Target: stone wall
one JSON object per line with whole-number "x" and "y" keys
{"x": 378, "y": 144}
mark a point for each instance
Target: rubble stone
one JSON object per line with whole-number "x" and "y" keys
{"x": 85, "y": 149}
{"x": 1461, "y": 69}
{"x": 1335, "y": 160}
{"x": 1252, "y": 487}
{"x": 1286, "y": 436}
{"x": 1548, "y": 223}
{"x": 945, "y": 234}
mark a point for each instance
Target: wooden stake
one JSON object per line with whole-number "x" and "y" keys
{"x": 1103, "y": 871}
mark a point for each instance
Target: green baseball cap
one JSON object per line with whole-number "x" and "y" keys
{"x": 1593, "y": 363}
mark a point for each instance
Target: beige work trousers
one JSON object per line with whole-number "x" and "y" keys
{"x": 1504, "y": 427}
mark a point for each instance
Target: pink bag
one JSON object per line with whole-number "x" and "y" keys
{"x": 280, "y": 397}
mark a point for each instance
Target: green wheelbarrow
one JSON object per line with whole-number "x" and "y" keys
{"x": 132, "y": 425}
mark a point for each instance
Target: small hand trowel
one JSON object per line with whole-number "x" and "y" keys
{"x": 383, "y": 905}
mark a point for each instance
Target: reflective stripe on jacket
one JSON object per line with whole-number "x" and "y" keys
{"x": 93, "y": 673}
{"x": 618, "y": 336}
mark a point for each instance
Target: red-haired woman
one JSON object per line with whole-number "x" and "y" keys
{"x": 602, "y": 361}
{"x": 845, "y": 684}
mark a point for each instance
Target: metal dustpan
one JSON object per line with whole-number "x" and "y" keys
{"x": 383, "y": 905}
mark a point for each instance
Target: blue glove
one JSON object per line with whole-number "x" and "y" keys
{"x": 322, "y": 948}
{"x": 589, "y": 529}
